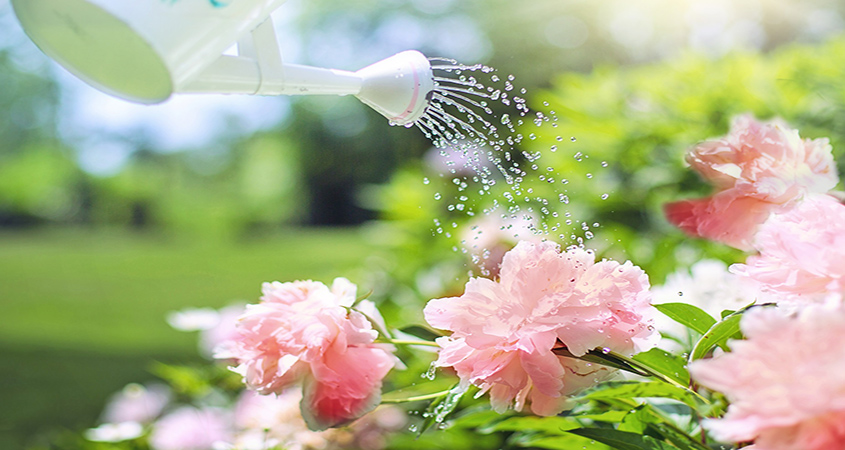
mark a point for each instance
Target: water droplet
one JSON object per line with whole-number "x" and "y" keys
{"x": 430, "y": 373}
{"x": 426, "y": 180}
{"x": 572, "y": 139}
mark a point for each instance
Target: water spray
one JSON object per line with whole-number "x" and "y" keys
{"x": 145, "y": 51}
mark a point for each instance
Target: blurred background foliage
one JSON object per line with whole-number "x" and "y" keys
{"x": 108, "y": 221}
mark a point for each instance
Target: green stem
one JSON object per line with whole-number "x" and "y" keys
{"x": 670, "y": 424}
{"x": 647, "y": 370}
{"x": 417, "y": 398}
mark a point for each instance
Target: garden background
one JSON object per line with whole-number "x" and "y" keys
{"x": 112, "y": 215}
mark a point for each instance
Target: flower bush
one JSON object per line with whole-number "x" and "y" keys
{"x": 554, "y": 347}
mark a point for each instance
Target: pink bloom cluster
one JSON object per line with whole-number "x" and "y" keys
{"x": 786, "y": 382}
{"x": 757, "y": 169}
{"x": 266, "y": 422}
{"x": 274, "y": 421}
{"x": 503, "y": 332}
{"x": 189, "y": 428}
{"x": 304, "y": 332}
{"x": 802, "y": 253}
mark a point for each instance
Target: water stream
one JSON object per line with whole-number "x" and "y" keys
{"x": 478, "y": 119}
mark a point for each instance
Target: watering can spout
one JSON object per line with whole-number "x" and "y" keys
{"x": 398, "y": 87}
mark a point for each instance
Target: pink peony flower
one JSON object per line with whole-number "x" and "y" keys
{"x": 267, "y": 422}
{"x": 271, "y": 421}
{"x": 503, "y": 332}
{"x": 489, "y": 237}
{"x": 786, "y": 387}
{"x": 802, "y": 252}
{"x": 189, "y": 428}
{"x": 136, "y": 403}
{"x": 303, "y": 332}
{"x": 758, "y": 169}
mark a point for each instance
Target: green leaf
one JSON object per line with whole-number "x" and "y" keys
{"x": 440, "y": 409}
{"x": 641, "y": 389}
{"x": 637, "y": 420}
{"x": 191, "y": 381}
{"x": 688, "y": 315}
{"x": 554, "y": 425}
{"x": 717, "y": 335}
{"x": 677, "y": 437}
{"x": 665, "y": 363}
{"x": 561, "y": 443}
{"x": 607, "y": 416}
{"x": 475, "y": 417}
{"x": 422, "y": 332}
{"x": 437, "y": 385}
{"x": 623, "y": 440}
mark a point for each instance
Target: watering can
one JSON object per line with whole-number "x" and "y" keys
{"x": 145, "y": 51}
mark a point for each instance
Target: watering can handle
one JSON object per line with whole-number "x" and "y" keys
{"x": 258, "y": 69}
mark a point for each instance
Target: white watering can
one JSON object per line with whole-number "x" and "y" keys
{"x": 147, "y": 50}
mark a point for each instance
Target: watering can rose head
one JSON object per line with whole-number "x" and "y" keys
{"x": 305, "y": 332}
{"x": 503, "y": 332}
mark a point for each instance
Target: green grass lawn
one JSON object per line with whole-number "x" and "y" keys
{"x": 82, "y": 312}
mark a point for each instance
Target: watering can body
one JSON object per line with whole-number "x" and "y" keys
{"x": 141, "y": 50}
